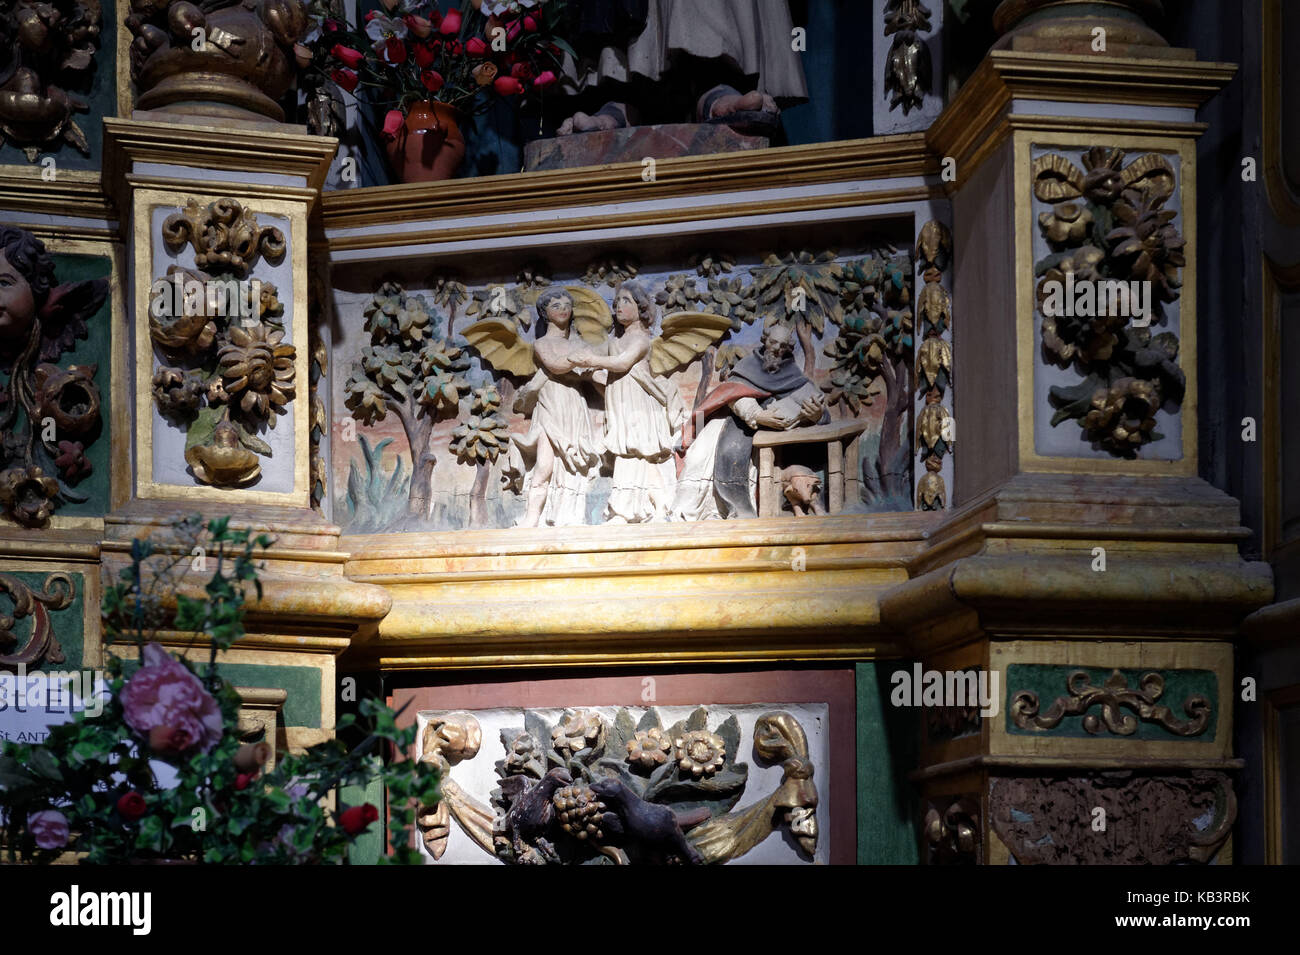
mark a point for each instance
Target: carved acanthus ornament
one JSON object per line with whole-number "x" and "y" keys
{"x": 621, "y": 790}
{"x": 46, "y": 46}
{"x": 56, "y": 593}
{"x": 1113, "y": 696}
{"x": 908, "y": 70}
{"x": 952, "y": 832}
{"x": 227, "y": 374}
{"x": 935, "y": 426}
{"x": 1109, "y": 234}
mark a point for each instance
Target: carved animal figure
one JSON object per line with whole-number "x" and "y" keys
{"x": 652, "y": 832}
{"x": 802, "y": 488}
{"x": 530, "y": 817}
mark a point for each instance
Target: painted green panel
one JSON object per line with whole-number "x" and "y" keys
{"x": 887, "y": 751}
{"x": 96, "y": 350}
{"x": 69, "y": 624}
{"x": 101, "y": 95}
{"x": 1049, "y": 682}
{"x": 302, "y": 708}
{"x": 367, "y": 847}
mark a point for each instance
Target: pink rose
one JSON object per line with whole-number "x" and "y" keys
{"x": 166, "y": 703}
{"x": 50, "y": 828}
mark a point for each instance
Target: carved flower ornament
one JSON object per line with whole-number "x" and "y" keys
{"x": 699, "y": 752}
{"x": 578, "y": 731}
{"x": 649, "y": 749}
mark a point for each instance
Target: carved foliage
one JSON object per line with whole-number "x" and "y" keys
{"x": 1110, "y": 237}
{"x": 1112, "y": 697}
{"x": 227, "y": 372}
{"x": 1150, "y": 820}
{"x": 48, "y": 46}
{"x": 49, "y": 413}
{"x": 631, "y": 792}
{"x": 56, "y": 593}
{"x": 908, "y": 70}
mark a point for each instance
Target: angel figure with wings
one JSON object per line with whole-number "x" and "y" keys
{"x": 644, "y": 411}
{"x": 559, "y": 457}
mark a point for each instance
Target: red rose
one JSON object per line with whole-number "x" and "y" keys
{"x": 331, "y": 26}
{"x": 395, "y": 51}
{"x": 345, "y": 78}
{"x": 357, "y": 818}
{"x": 424, "y": 55}
{"x": 131, "y": 806}
{"x": 393, "y": 122}
{"x": 347, "y": 56}
{"x": 418, "y": 25}
{"x": 432, "y": 80}
{"x": 475, "y": 46}
{"x": 507, "y": 85}
{"x": 450, "y": 23}
{"x": 371, "y": 15}
{"x": 242, "y": 781}
{"x": 530, "y": 24}
{"x": 545, "y": 79}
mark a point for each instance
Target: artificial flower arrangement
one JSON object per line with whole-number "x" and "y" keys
{"x": 92, "y": 787}
{"x": 409, "y": 56}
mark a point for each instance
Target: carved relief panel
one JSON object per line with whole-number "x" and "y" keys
{"x": 700, "y": 384}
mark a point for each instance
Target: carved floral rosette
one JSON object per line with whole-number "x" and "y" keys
{"x": 622, "y": 785}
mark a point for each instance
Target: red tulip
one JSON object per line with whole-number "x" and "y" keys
{"x": 395, "y": 51}
{"x": 450, "y": 23}
{"x": 530, "y": 24}
{"x": 345, "y": 78}
{"x": 432, "y": 80}
{"x": 513, "y": 30}
{"x": 522, "y": 72}
{"x": 347, "y": 56}
{"x": 418, "y": 25}
{"x": 455, "y": 47}
{"x": 371, "y": 15}
{"x": 242, "y": 780}
{"x": 393, "y": 122}
{"x": 507, "y": 85}
{"x": 545, "y": 79}
{"x": 475, "y": 46}
{"x": 424, "y": 55}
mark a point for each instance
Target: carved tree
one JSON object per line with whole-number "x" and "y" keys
{"x": 413, "y": 373}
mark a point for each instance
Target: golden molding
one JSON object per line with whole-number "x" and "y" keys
{"x": 229, "y": 148}
{"x": 976, "y": 121}
{"x": 881, "y": 157}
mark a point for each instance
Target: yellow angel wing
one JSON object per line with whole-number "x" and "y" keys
{"x": 685, "y": 336}
{"x": 498, "y": 343}
{"x": 590, "y": 314}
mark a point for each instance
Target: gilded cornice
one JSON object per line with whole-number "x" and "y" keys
{"x": 71, "y": 193}
{"x": 882, "y": 157}
{"x": 977, "y": 120}
{"x": 252, "y": 149}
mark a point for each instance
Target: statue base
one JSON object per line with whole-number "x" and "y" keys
{"x": 635, "y": 143}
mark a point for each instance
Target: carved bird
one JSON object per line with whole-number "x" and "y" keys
{"x": 530, "y": 817}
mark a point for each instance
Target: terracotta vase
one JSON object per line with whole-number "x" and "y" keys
{"x": 429, "y": 146}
